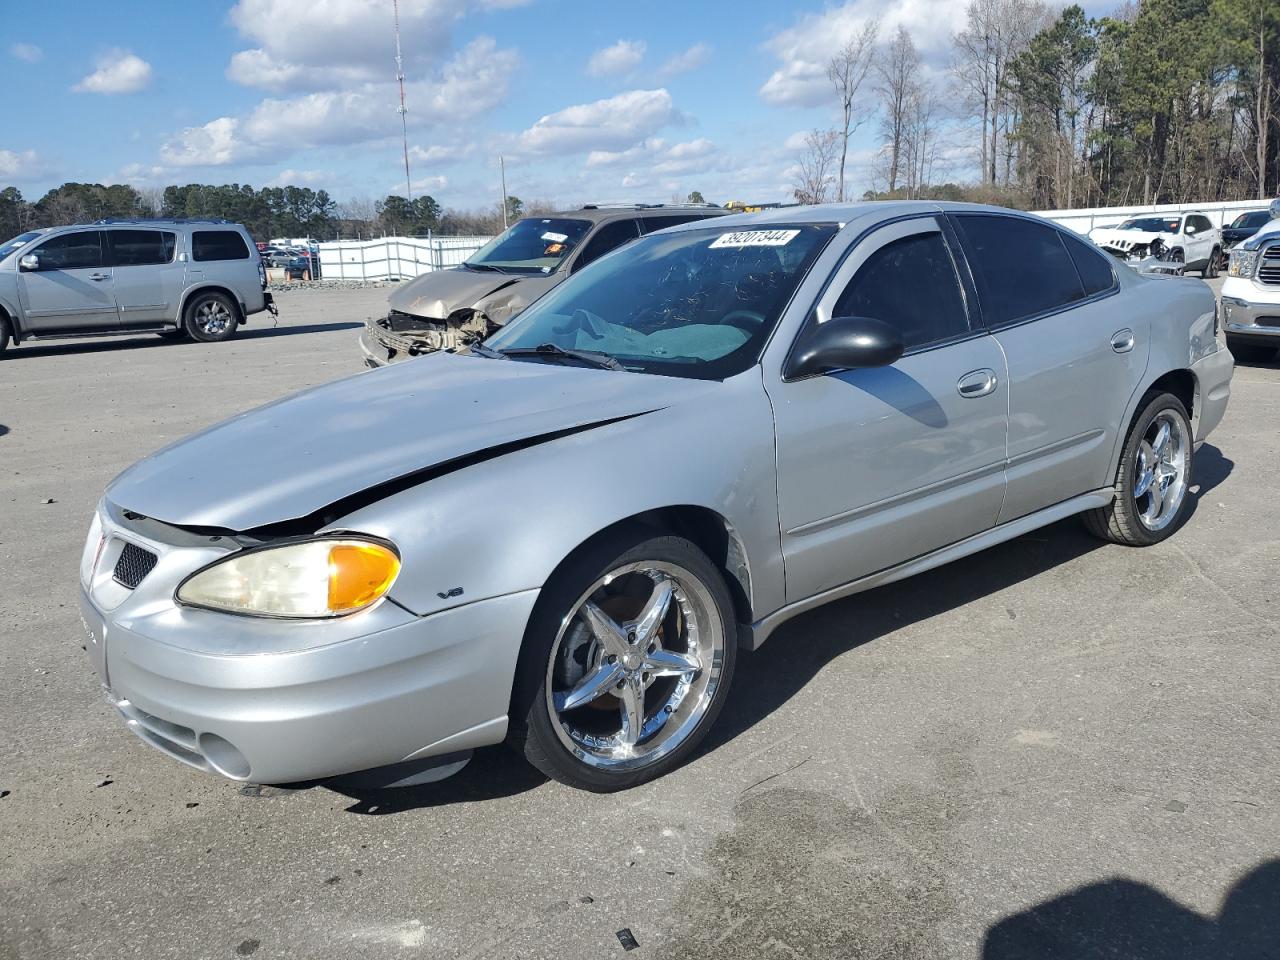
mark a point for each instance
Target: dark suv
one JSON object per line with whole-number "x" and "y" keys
{"x": 447, "y": 309}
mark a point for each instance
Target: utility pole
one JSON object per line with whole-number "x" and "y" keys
{"x": 404, "y": 120}
{"x": 502, "y": 166}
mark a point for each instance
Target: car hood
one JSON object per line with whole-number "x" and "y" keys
{"x": 300, "y": 455}
{"x": 441, "y": 292}
{"x": 1125, "y": 238}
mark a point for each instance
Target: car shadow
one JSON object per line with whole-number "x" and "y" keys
{"x": 1120, "y": 917}
{"x": 771, "y": 676}
{"x": 493, "y": 773}
{"x": 149, "y": 341}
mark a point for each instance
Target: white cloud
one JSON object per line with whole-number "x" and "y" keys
{"x": 654, "y": 156}
{"x": 215, "y": 144}
{"x": 622, "y": 57}
{"x": 805, "y": 48}
{"x": 119, "y": 71}
{"x": 612, "y": 124}
{"x": 683, "y": 62}
{"x": 290, "y": 177}
{"x": 442, "y": 154}
{"x": 474, "y": 81}
{"x": 341, "y": 41}
{"x": 423, "y": 185}
{"x": 18, "y": 166}
{"x": 27, "y": 52}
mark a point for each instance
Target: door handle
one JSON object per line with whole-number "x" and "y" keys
{"x": 99, "y": 276}
{"x": 977, "y": 383}
{"x": 1122, "y": 340}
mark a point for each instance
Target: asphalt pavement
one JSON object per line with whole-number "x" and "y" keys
{"x": 1052, "y": 749}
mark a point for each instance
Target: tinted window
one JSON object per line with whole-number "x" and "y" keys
{"x": 609, "y": 237}
{"x": 910, "y": 284}
{"x": 218, "y": 245}
{"x": 1092, "y": 264}
{"x": 1022, "y": 267}
{"x": 71, "y": 251}
{"x": 1198, "y": 224}
{"x": 531, "y": 246}
{"x": 650, "y": 224}
{"x": 134, "y": 248}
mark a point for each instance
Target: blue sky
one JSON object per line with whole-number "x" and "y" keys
{"x": 586, "y": 100}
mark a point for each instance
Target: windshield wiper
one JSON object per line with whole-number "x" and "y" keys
{"x": 480, "y": 349}
{"x": 482, "y": 266}
{"x": 591, "y": 358}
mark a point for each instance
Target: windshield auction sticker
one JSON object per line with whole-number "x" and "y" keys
{"x": 755, "y": 238}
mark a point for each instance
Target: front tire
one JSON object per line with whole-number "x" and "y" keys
{"x": 626, "y": 662}
{"x": 1154, "y": 478}
{"x": 211, "y": 317}
{"x": 4, "y": 335}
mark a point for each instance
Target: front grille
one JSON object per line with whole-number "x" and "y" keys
{"x": 1269, "y": 267}
{"x": 133, "y": 566}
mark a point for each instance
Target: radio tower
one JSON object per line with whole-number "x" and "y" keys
{"x": 404, "y": 121}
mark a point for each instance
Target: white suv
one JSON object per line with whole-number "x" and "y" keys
{"x": 176, "y": 278}
{"x": 1189, "y": 239}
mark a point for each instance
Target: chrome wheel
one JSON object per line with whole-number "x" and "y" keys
{"x": 1160, "y": 474}
{"x": 213, "y": 318}
{"x": 635, "y": 665}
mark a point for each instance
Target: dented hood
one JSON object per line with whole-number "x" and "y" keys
{"x": 438, "y": 294}
{"x": 300, "y": 455}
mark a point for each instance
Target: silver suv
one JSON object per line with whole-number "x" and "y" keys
{"x": 177, "y": 278}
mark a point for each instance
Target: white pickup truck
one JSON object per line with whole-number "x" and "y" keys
{"x": 1189, "y": 239}
{"x": 1251, "y": 293}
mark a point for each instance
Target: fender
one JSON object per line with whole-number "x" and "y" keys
{"x": 209, "y": 285}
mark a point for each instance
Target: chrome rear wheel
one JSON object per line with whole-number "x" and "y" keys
{"x": 1160, "y": 474}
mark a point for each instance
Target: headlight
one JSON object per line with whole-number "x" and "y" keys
{"x": 1242, "y": 263}
{"x": 312, "y": 579}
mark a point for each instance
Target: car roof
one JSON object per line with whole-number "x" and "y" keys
{"x": 599, "y": 213}
{"x": 871, "y": 211}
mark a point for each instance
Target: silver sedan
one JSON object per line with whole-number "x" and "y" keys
{"x": 563, "y": 537}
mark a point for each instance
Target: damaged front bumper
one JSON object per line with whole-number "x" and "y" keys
{"x": 401, "y": 336}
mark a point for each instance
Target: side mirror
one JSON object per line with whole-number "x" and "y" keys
{"x": 1191, "y": 230}
{"x": 182, "y": 257}
{"x": 29, "y": 262}
{"x": 844, "y": 343}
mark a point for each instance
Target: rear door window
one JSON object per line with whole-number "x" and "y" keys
{"x": 218, "y": 245}
{"x": 79, "y": 250}
{"x": 608, "y": 237}
{"x": 136, "y": 248}
{"x": 1022, "y": 268}
{"x": 910, "y": 284}
{"x": 1092, "y": 264}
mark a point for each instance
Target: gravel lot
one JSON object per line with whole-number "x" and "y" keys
{"x": 1055, "y": 748}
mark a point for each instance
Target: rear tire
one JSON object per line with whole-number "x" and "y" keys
{"x": 1250, "y": 352}
{"x": 606, "y": 698}
{"x": 1210, "y": 271}
{"x": 211, "y": 317}
{"x": 1154, "y": 478}
{"x": 4, "y": 335}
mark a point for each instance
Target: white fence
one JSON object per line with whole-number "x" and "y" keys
{"x": 394, "y": 258}
{"x": 1221, "y": 212}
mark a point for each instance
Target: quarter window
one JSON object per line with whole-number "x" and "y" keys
{"x": 135, "y": 248}
{"x": 608, "y": 237}
{"x": 910, "y": 284}
{"x": 1022, "y": 267}
{"x": 80, "y": 250}
{"x": 218, "y": 245}
{"x": 1093, "y": 265}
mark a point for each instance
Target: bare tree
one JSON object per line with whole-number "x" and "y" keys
{"x": 996, "y": 31}
{"x": 813, "y": 172}
{"x": 846, "y": 71}
{"x": 897, "y": 71}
